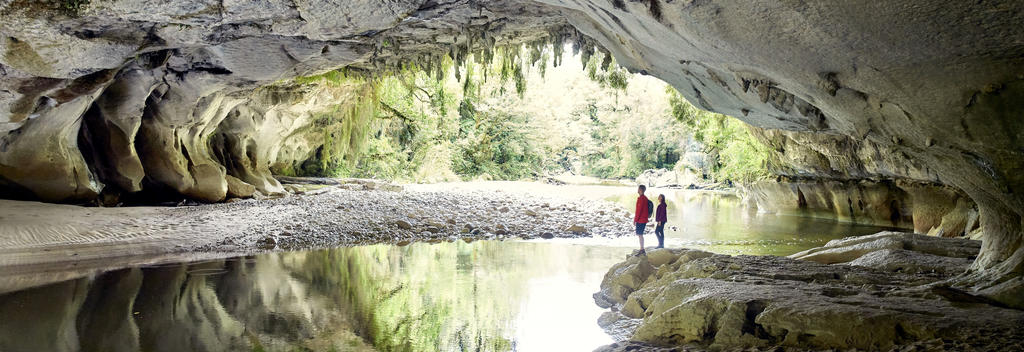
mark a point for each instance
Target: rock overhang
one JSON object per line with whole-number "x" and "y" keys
{"x": 936, "y": 85}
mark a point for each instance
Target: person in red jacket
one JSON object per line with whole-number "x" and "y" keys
{"x": 643, "y": 212}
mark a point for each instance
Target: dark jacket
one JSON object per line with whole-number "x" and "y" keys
{"x": 661, "y": 215}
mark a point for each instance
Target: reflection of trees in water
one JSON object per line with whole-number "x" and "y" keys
{"x": 449, "y": 297}
{"x": 425, "y": 297}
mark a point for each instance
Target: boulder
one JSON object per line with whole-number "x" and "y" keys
{"x": 666, "y": 178}
{"x": 884, "y": 299}
{"x": 238, "y": 188}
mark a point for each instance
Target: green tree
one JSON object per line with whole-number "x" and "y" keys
{"x": 738, "y": 155}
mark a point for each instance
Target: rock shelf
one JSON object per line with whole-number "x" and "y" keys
{"x": 879, "y": 295}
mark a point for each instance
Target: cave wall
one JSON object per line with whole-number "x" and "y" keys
{"x": 938, "y": 82}
{"x": 929, "y": 91}
{"x": 174, "y": 99}
{"x": 859, "y": 181}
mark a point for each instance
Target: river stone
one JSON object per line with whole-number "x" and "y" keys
{"x": 576, "y": 229}
{"x": 268, "y": 242}
{"x": 404, "y": 225}
{"x": 391, "y": 187}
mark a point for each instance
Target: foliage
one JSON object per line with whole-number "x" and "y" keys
{"x": 426, "y": 129}
{"x": 603, "y": 70}
{"x": 345, "y": 130}
{"x": 460, "y": 120}
{"x": 498, "y": 146}
{"x": 740, "y": 157}
{"x": 625, "y": 147}
{"x": 73, "y": 7}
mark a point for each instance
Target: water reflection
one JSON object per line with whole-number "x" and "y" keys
{"x": 720, "y": 223}
{"x": 480, "y": 296}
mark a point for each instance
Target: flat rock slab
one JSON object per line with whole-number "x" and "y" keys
{"x": 693, "y": 300}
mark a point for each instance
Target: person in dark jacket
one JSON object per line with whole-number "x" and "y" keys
{"x": 660, "y": 218}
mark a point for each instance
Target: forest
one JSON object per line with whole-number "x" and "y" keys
{"x": 519, "y": 113}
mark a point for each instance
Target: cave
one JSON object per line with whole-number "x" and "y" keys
{"x": 892, "y": 113}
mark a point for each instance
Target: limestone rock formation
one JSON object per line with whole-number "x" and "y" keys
{"x": 925, "y": 207}
{"x": 130, "y": 95}
{"x": 695, "y": 299}
{"x": 667, "y": 178}
{"x": 171, "y": 98}
{"x": 849, "y": 250}
{"x": 238, "y": 188}
{"x": 882, "y": 74}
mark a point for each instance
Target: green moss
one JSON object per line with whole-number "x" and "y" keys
{"x": 73, "y": 8}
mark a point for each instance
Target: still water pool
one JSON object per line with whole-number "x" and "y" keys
{"x": 478, "y": 296}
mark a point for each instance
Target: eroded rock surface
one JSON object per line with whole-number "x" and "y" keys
{"x": 699, "y": 300}
{"x": 929, "y": 91}
{"x": 174, "y": 97}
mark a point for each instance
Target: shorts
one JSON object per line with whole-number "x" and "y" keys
{"x": 640, "y": 228}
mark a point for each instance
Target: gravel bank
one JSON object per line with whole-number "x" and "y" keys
{"x": 63, "y": 236}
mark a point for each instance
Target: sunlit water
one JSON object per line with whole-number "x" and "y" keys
{"x": 479, "y": 296}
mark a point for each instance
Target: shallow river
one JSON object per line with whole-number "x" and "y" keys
{"x": 485, "y": 295}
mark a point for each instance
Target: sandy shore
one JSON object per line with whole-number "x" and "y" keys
{"x": 38, "y": 237}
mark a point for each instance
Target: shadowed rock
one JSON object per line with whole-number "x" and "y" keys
{"x": 701, "y": 300}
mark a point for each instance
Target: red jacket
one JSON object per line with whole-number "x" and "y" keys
{"x": 642, "y": 213}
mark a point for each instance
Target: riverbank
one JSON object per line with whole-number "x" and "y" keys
{"x": 888, "y": 291}
{"x": 65, "y": 237}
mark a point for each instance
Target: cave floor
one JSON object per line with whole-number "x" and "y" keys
{"x": 53, "y": 237}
